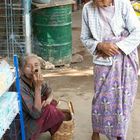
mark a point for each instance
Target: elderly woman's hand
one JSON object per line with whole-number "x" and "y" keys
{"x": 47, "y": 101}
{"x": 109, "y": 49}
{"x": 37, "y": 80}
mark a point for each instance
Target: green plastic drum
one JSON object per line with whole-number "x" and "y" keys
{"x": 52, "y": 28}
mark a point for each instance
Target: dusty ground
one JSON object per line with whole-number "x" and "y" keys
{"x": 76, "y": 84}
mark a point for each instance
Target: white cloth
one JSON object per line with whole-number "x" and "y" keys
{"x": 6, "y": 77}
{"x": 8, "y": 110}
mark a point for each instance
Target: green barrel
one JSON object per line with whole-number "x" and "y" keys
{"x": 52, "y": 29}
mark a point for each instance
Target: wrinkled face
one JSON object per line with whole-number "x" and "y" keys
{"x": 103, "y": 3}
{"x": 31, "y": 66}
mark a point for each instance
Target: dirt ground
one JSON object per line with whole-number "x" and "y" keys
{"x": 76, "y": 84}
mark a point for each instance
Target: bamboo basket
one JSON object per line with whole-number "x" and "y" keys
{"x": 65, "y": 131}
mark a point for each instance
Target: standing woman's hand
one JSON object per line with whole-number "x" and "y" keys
{"x": 110, "y": 49}
{"x": 101, "y": 54}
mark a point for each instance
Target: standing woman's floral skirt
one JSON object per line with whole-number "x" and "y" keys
{"x": 115, "y": 90}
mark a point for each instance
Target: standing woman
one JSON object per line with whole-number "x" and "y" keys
{"x": 111, "y": 33}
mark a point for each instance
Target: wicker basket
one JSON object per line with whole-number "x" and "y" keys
{"x": 65, "y": 132}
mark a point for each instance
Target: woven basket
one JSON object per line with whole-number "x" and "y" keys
{"x": 65, "y": 131}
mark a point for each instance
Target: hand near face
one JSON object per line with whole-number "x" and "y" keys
{"x": 37, "y": 79}
{"x": 110, "y": 49}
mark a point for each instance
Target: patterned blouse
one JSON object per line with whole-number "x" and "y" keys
{"x": 30, "y": 113}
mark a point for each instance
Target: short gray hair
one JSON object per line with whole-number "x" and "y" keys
{"x": 23, "y": 59}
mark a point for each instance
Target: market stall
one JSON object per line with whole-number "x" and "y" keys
{"x": 10, "y": 102}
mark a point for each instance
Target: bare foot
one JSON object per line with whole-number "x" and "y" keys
{"x": 118, "y": 138}
{"x": 95, "y": 136}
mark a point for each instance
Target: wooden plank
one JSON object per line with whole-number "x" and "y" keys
{"x": 53, "y": 3}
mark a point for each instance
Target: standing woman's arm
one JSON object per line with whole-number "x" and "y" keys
{"x": 132, "y": 24}
{"x": 86, "y": 37}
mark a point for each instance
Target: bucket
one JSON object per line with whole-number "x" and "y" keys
{"x": 53, "y": 32}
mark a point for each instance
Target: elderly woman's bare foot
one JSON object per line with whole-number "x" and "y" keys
{"x": 95, "y": 136}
